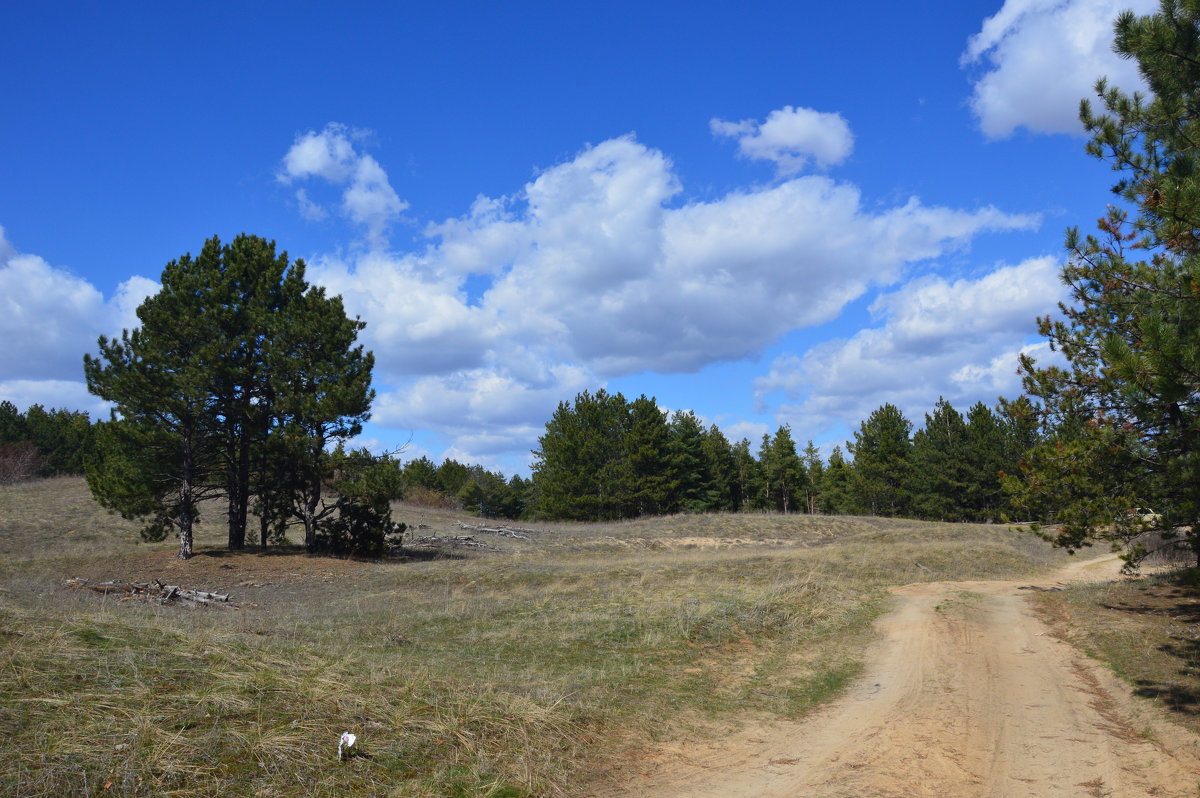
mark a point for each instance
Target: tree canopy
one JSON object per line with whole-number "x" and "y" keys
{"x": 1124, "y": 410}
{"x": 237, "y": 381}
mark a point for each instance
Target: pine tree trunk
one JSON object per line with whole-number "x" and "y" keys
{"x": 186, "y": 498}
{"x": 239, "y": 497}
{"x": 310, "y": 512}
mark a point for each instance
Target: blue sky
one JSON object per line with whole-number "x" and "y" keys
{"x": 763, "y": 212}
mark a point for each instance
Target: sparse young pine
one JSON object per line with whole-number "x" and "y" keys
{"x": 1125, "y": 411}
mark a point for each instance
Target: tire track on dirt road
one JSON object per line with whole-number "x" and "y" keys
{"x": 966, "y": 694}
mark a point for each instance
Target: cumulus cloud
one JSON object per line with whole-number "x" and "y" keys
{"x": 367, "y": 197}
{"x": 594, "y": 270}
{"x": 49, "y": 317}
{"x": 1041, "y": 57}
{"x": 956, "y": 339}
{"x": 790, "y": 138}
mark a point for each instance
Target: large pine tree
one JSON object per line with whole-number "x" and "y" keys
{"x": 580, "y": 467}
{"x": 882, "y": 464}
{"x": 237, "y": 378}
{"x": 939, "y": 473}
{"x": 1125, "y": 411}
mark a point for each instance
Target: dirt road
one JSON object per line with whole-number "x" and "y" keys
{"x": 965, "y": 695}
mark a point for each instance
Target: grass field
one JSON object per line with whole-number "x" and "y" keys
{"x": 528, "y": 671}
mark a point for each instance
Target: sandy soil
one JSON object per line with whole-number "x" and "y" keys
{"x": 966, "y": 694}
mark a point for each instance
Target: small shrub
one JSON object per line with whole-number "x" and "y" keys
{"x": 19, "y": 462}
{"x": 429, "y": 497}
{"x": 359, "y": 528}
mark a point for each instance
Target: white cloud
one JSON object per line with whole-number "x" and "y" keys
{"x": 750, "y": 430}
{"x": 591, "y": 271}
{"x": 367, "y": 198}
{"x": 790, "y": 138}
{"x": 61, "y": 394}
{"x": 1042, "y": 57}
{"x": 939, "y": 338}
{"x": 312, "y": 211}
{"x": 49, "y": 317}
{"x": 328, "y": 154}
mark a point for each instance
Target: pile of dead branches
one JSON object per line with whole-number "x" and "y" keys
{"x": 154, "y": 591}
{"x": 515, "y": 532}
{"x": 452, "y": 542}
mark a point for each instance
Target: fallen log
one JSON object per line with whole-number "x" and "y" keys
{"x": 515, "y": 532}
{"x": 155, "y": 591}
{"x": 452, "y": 542}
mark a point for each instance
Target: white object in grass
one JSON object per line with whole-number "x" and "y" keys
{"x": 345, "y": 743}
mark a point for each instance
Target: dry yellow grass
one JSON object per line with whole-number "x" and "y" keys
{"x": 507, "y": 674}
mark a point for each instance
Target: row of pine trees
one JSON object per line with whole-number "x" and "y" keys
{"x": 604, "y": 458}
{"x": 41, "y": 442}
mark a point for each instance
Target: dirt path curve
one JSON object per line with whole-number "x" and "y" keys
{"x": 965, "y": 695}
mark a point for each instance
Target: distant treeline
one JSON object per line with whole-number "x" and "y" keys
{"x": 47, "y": 443}
{"x": 42, "y": 443}
{"x": 603, "y": 458}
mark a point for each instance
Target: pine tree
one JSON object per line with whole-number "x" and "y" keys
{"x": 1124, "y": 415}
{"x": 580, "y": 470}
{"x": 814, "y": 484}
{"x": 838, "y": 485}
{"x": 721, "y": 467}
{"x": 746, "y": 477}
{"x": 321, "y": 384}
{"x": 882, "y": 465}
{"x": 246, "y": 300}
{"x": 238, "y": 364}
{"x": 983, "y": 496}
{"x": 158, "y": 457}
{"x": 688, "y": 462}
{"x": 783, "y": 472}
{"x": 939, "y": 476}
{"x": 651, "y": 482}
